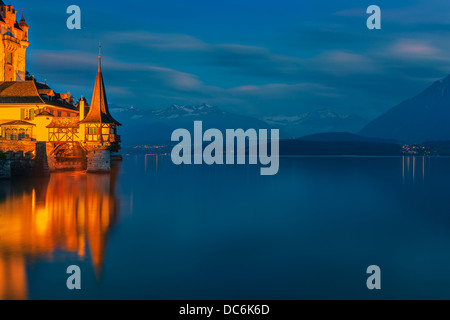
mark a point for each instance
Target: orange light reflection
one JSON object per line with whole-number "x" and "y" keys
{"x": 72, "y": 212}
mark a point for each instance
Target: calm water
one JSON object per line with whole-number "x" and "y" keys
{"x": 152, "y": 230}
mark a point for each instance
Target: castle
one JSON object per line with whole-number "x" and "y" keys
{"x": 32, "y": 112}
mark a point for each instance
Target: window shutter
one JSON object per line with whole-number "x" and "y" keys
{"x": 22, "y": 114}
{"x": 32, "y": 114}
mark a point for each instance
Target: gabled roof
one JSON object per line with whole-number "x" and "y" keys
{"x": 29, "y": 92}
{"x": 44, "y": 89}
{"x": 17, "y": 123}
{"x": 99, "y": 111}
{"x": 57, "y": 102}
{"x": 19, "y": 92}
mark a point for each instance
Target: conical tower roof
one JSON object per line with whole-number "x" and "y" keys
{"x": 22, "y": 21}
{"x": 99, "y": 112}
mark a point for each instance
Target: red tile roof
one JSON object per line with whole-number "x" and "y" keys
{"x": 17, "y": 123}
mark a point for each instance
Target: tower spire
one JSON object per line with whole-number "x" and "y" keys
{"x": 99, "y": 57}
{"x": 22, "y": 20}
{"x": 99, "y": 111}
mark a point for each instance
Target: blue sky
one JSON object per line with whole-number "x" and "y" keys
{"x": 259, "y": 58}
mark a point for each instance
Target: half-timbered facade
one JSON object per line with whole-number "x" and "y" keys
{"x": 100, "y": 128}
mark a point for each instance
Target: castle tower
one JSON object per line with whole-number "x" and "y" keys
{"x": 14, "y": 44}
{"x": 100, "y": 128}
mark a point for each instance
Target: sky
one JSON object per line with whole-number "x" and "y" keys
{"x": 260, "y": 58}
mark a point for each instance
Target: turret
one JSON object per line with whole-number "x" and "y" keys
{"x": 100, "y": 129}
{"x": 14, "y": 44}
{"x": 24, "y": 26}
{"x": 8, "y": 13}
{"x": 99, "y": 119}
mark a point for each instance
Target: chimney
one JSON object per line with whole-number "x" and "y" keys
{"x": 82, "y": 109}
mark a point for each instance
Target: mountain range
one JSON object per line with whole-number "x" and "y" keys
{"x": 144, "y": 127}
{"x": 425, "y": 117}
{"x": 141, "y": 127}
{"x": 316, "y": 121}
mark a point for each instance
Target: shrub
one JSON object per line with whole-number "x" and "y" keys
{"x": 2, "y": 155}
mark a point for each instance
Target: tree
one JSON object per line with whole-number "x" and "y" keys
{"x": 28, "y": 76}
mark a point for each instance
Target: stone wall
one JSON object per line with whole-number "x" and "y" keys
{"x": 41, "y": 168}
{"x": 99, "y": 161}
{"x": 20, "y": 164}
{"x": 27, "y": 158}
{"x": 16, "y": 146}
{"x": 5, "y": 169}
{"x": 16, "y": 165}
{"x": 51, "y": 159}
{"x": 69, "y": 166}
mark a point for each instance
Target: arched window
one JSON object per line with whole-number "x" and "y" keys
{"x": 14, "y": 134}
{"x": 21, "y": 134}
{"x": 8, "y": 134}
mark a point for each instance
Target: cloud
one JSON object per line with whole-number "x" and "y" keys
{"x": 160, "y": 41}
{"x": 352, "y": 12}
{"x": 277, "y": 90}
{"x": 51, "y": 59}
{"x": 76, "y": 61}
{"x": 121, "y": 91}
{"x": 234, "y": 58}
{"x": 344, "y": 63}
{"x": 415, "y": 48}
{"x": 255, "y": 61}
{"x": 333, "y": 64}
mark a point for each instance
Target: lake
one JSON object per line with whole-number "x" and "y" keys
{"x": 153, "y": 230}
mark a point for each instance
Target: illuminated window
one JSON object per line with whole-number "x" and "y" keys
{"x": 92, "y": 130}
{"x": 9, "y": 58}
{"x": 29, "y": 114}
{"x": 21, "y": 134}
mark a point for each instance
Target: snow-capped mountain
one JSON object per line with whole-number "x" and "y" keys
{"x": 157, "y": 126}
{"x": 314, "y": 122}
{"x": 317, "y": 115}
{"x": 179, "y": 111}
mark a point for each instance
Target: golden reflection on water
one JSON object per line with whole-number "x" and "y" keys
{"x": 71, "y": 212}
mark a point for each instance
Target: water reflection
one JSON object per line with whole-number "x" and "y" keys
{"x": 338, "y": 213}
{"x": 152, "y": 162}
{"x": 412, "y": 167}
{"x": 70, "y": 212}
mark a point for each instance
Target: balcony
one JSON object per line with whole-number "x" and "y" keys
{"x": 113, "y": 138}
{"x": 11, "y": 38}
